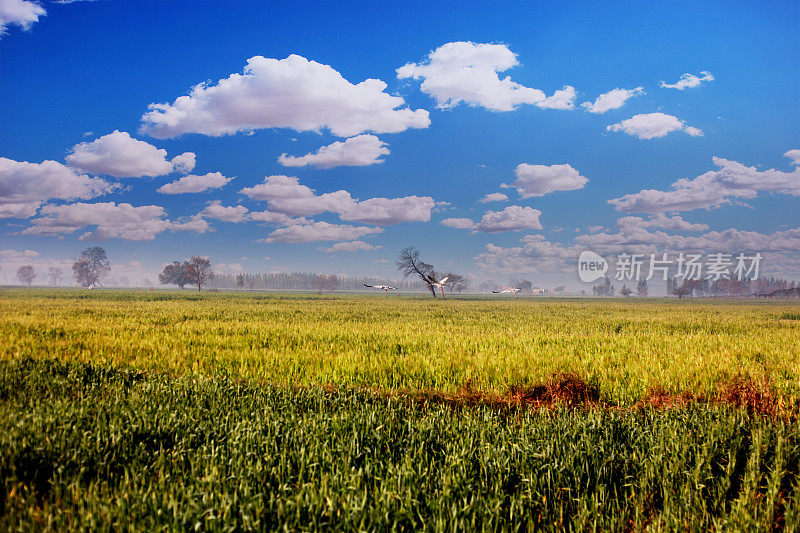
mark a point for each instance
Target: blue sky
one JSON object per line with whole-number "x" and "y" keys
{"x": 488, "y": 87}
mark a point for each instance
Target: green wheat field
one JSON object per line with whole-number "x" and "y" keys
{"x": 170, "y": 410}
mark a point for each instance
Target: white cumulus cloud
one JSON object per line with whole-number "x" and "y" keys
{"x": 494, "y": 197}
{"x": 120, "y": 155}
{"x": 794, "y": 155}
{"x": 122, "y": 221}
{"x": 613, "y": 99}
{"x": 19, "y": 12}
{"x": 653, "y": 125}
{"x": 512, "y": 218}
{"x": 459, "y": 223}
{"x": 218, "y": 211}
{"x": 25, "y": 186}
{"x": 538, "y": 180}
{"x": 731, "y": 182}
{"x": 358, "y": 151}
{"x": 286, "y": 195}
{"x": 352, "y": 246}
{"x": 468, "y": 72}
{"x": 536, "y": 254}
{"x": 319, "y": 231}
{"x": 290, "y": 93}
{"x": 195, "y": 183}
{"x": 688, "y": 81}
{"x": 110, "y": 220}
{"x": 659, "y": 220}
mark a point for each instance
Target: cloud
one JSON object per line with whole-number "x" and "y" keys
{"x": 538, "y": 180}
{"x": 794, "y": 155}
{"x": 561, "y": 99}
{"x": 232, "y": 268}
{"x": 659, "y": 220}
{"x": 688, "y": 80}
{"x": 286, "y": 195}
{"x": 459, "y": 223}
{"x": 111, "y": 220}
{"x": 120, "y": 155}
{"x": 195, "y": 183}
{"x": 468, "y": 72}
{"x": 20, "y": 12}
{"x": 387, "y": 211}
{"x": 275, "y": 218}
{"x": 652, "y": 125}
{"x": 613, "y": 99}
{"x": 714, "y": 188}
{"x": 512, "y": 218}
{"x": 25, "y": 186}
{"x": 318, "y": 231}
{"x": 122, "y": 221}
{"x": 494, "y": 197}
{"x": 358, "y": 151}
{"x": 352, "y": 246}
{"x": 218, "y": 211}
{"x": 195, "y": 224}
{"x": 290, "y": 93}
{"x": 536, "y": 254}
{"x": 640, "y": 240}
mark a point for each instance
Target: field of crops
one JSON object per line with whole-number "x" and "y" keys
{"x": 264, "y": 411}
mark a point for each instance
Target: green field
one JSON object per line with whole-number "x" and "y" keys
{"x": 265, "y": 411}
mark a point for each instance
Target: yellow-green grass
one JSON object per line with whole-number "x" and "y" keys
{"x": 624, "y": 346}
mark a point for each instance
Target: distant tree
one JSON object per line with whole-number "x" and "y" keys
{"x": 331, "y": 283}
{"x": 55, "y": 274}
{"x": 609, "y": 287}
{"x": 456, "y": 283}
{"x": 525, "y": 285}
{"x": 672, "y": 285}
{"x": 91, "y": 267}
{"x": 174, "y": 274}
{"x": 642, "y": 288}
{"x": 324, "y": 282}
{"x": 26, "y": 275}
{"x": 410, "y": 263}
{"x": 198, "y": 270}
{"x": 625, "y": 291}
{"x": 685, "y": 288}
{"x": 606, "y": 288}
{"x": 240, "y": 280}
{"x": 559, "y": 289}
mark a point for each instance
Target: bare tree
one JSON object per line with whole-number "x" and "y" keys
{"x": 91, "y": 267}
{"x": 457, "y": 283}
{"x": 55, "y": 274}
{"x": 198, "y": 270}
{"x": 625, "y": 291}
{"x": 410, "y": 263}
{"x": 26, "y": 275}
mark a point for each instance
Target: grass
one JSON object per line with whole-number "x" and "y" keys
{"x": 624, "y": 347}
{"x": 168, "y": 410}
{"x": 94, "y": 448}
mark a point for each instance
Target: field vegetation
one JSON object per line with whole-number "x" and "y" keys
{"x": 219, "y": 411}
{"x": 624, "y": 347}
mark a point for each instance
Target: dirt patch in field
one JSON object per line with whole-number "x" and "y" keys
{"x": 755, "y": 396}
{"x": 561, "y": 390}
{"x": 573, "y": 392}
